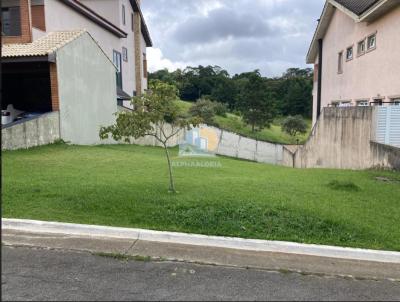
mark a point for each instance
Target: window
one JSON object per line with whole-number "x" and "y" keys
{"x": 118, "y": 65}
{"x": 132, "y": 21}
{"x": 345, "y": 104}
{"x": 11, "y": 21}
{"x": 361, "y": 48}
{"x": 123, "y": 15}
{"x": 371, "y": 42}
{"x": 340, "y": 62}
{"x": 363, "y": 103}
{"x": 124, "y": 54}
{"x": 349, "y": 53}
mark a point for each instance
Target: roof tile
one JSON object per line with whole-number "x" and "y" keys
{"x": 42, "y": 46}
{"x": 357, "y": 6}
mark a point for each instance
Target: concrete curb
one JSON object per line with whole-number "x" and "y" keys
{"x": 201, "y": 240}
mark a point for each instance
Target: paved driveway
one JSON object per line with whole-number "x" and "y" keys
{"x": 40, "y": 274}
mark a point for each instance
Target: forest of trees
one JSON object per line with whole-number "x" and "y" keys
{"x": 257, "y": 98}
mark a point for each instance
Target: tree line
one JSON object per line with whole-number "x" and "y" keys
{"x": 258, "y": 98}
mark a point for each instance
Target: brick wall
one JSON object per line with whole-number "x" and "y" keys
{"x": 138, "y": 61}
{"x": 26, "y": 25}
{"x": 55, "y": 101}
{"x": 316, "y": 68}
{"x": 38, "y": 18}
{"x": 144, "y": 66}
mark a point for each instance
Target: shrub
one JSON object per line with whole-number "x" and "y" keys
{"x": 204, "y": 109}
{"x": 220, "y": 109}
{"x": 294, "y": 125}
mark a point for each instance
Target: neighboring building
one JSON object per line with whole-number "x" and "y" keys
{"x": 78, "y": 58}
{"x": 117, "y": 25}
{"x": 356, "y": 54}
{"x": 51, "y": 75}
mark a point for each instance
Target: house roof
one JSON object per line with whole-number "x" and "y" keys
{"x": 358, "y": 7}
{"x": 145, "y": 30}
{"x": 84, "y": 10}
{"x": 43, "y": 46}
{"x": 358, "y": 10}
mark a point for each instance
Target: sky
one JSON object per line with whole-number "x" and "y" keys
{"x": 237, "y": 35}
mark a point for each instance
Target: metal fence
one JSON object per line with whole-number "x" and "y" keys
{"x": 388, "y": 125}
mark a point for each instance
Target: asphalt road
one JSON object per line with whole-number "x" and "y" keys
{"x": 40, "y": 274}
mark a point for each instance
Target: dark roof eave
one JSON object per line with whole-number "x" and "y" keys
{"x": 122, "y": 95}
{"x": 311, "y": 50}
{"x": 358, "y": 7}
{"x": 94, "y": 17}
{"x": 29, "y": 59}
{"x": 145, "y": 30}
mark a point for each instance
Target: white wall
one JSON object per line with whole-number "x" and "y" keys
{"x": 87, "y": 91}
{"x": 105, "y": 8}
{"x": 37, "y": 33}
{"x": 68, "y": 19}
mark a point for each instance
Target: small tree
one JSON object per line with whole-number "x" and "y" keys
{"x": 153, "y": 113}
{"x": 254, "y": 101}
{"x": 294, "y": 125}
{"x": 205, "y": 109}
{"x": 220, "y": 109}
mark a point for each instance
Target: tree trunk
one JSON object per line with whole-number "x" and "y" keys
{"x": 253, "y": 127}
{"x": 171, "y": 179}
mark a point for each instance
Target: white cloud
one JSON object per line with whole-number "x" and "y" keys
{"x": 238, "y": 35}
{"x": 157, "y": 61}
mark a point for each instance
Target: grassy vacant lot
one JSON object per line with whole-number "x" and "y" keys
{"x": 124, "y": 185}
{"x": 234, "y": 123}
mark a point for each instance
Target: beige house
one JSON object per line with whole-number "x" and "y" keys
{"x": 66, "y": 65}
{"x": 356, "y": 54}
{"x": 117, "y": 26}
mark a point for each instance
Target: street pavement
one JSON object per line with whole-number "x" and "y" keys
{"x": 44, "y": 274}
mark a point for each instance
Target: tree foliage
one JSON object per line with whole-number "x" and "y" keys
{"x": 254, "y": 101}
{"x": 206, "y": 110}
{"x": 294, "y": 125}
{"x": 292, "y": 92}
{"x": 155, "y": 114}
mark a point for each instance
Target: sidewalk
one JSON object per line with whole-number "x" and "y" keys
{"x": 273, "y": 261}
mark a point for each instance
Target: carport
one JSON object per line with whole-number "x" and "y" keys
{"x": 26, "y": 85}
{"x": 65, "y": 74}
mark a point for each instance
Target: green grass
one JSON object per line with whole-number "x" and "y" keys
{"x": 183, "y": 106}
{"x": 274, "y": 134}
{"x": 124, "y": 185}
{"x": 234, "y": 123}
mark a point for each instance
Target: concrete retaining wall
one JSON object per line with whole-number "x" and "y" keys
{"x": 42, "y": 130}
{"x": 342, "y": 139}
{"x": 384, "y": 156}
{"x": 230, "y": 144}
{"x": 234, "y": 145}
